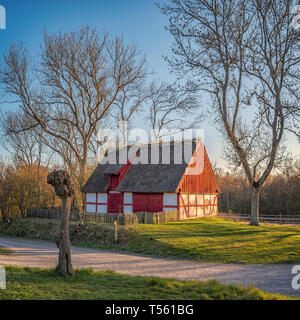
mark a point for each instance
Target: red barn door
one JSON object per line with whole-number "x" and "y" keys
{"x": 144, "y": 202}
{"x": 115, "y": 203}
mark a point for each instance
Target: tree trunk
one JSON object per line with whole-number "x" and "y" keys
{"x": 64, "y": 258}
{"x": 23, "y": 212}
{"x": 81, "y": 184}
{"x": 255, "y": 206}
{"x": 4, "y": 216}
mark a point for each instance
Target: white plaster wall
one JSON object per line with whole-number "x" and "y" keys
{"x": 193, "y": 212}
{"x": 193, "y": 199}
{"x": 182, "y": 213}
{"x": 213, "y": 199}
{"x": 200, "y": 199}
{"x": 184, "y": 200}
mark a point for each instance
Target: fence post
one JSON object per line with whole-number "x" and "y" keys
{"x": 280, "y": 218}
{"x": 116, "y": 231}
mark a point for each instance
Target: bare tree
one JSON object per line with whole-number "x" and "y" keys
{"x": 171, "y": 109}
{"x": 73, "y": 85}
{"x": 245, "y": 56}
{"x": 128, "y": 104}
{"x": 26, "y": 147}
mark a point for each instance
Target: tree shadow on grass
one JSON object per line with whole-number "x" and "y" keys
{"x": 208, "y": 233}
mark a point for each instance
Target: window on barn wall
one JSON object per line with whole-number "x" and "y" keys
{"x": 170, "y": 202}
{"x": 91, "y": 202}
{"x": 128, "y": 202}
{"x": 96, "y": 202}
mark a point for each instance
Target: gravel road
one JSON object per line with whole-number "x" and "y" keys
{"x": 31, "y": 253}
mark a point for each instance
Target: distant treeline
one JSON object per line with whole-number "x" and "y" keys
{"x": 22, "y": 187}
{"x": 281, "y": 194}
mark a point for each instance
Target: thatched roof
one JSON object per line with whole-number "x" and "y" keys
{"x": 145, "y": 178}
{"x": 153, "y": 178}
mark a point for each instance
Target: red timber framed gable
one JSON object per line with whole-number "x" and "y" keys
{"x": 198, "y": 193}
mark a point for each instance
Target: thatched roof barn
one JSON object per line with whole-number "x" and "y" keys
{"x": 153, "y": 178}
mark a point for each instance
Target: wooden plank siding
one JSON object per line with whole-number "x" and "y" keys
{"x": 203, "y": 183}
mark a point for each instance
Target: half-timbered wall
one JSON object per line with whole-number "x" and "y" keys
{"x": 197, "y": 205}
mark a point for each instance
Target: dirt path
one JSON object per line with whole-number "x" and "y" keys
{"x": 271, "y": 277}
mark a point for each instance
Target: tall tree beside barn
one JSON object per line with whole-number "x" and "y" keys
{"x": 244, "y": 55}
{"x": 171, "y": 109}
{"x": 72, "y": 86}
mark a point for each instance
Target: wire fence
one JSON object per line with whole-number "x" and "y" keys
{"x": 277, "y": 219}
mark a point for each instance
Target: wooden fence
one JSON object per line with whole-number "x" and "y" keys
{"x": 134, "y": 218}
{"x": 46, "y": 213}
{"x": 278, "y": 219}
{"x": 122, "y": 219}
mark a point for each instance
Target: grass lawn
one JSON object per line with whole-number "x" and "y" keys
{"x": 219, "y": 240}
{"x": 32, "y": 283}
{"x": 211, "y": 239}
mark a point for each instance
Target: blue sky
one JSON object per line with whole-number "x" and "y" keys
{"x": 139, "y": 21}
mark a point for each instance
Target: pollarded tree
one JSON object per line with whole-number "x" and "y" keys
{"x": 64, "y": 189}
{"x": 244, "y": 55}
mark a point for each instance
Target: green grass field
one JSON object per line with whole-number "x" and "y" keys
{"x": 32, "y": 283}
{"x": 218, "y": 240}
{"x": 214, "y": 240}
